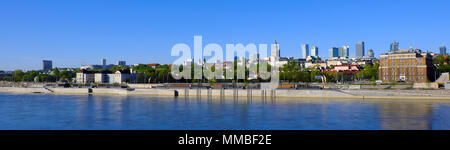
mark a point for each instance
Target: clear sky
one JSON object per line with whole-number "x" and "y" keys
{"x": 72, "y": 33}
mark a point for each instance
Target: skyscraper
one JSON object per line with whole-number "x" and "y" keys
{"x": 394, "y": 46}
{"x": 47, "y": 64}
{"x": 103, "y": 62}
{"x": 333, "y": 52}
{"x": 276, "y": 51}
{"x": 305, "y": 50}
{"x": 121, "y": 63}
{"x": 360, "y": 49}
{"x": 314, "y": 51}
{"x": 343, "y": 51}
{"x": 370, "y": 53}
{"x": 443, "y": 50}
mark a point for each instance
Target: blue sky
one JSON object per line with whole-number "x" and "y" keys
{"x": 72, "y": 33}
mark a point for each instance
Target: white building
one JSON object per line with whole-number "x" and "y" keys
{"x": 105, "y": 77}
{"x": 102, "y": 77}
{"x": 276, "y": 50}
{"x": 123, "y": 77}
{"x": 85, "y": 77}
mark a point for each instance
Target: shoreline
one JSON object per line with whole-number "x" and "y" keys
{"x": 242, "y": 93}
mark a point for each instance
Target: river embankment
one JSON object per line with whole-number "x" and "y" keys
{"x": 419, "y": 94}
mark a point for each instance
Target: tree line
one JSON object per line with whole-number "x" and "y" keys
{"x": 53, "y": 75}
{"x": 290, "y": 72}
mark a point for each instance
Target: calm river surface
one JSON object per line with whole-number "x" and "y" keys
{"x": 37, "y": 111}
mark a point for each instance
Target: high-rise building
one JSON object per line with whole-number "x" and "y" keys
{"x": 121, "y": 63}
{"x": 333, "y": 52}
{"x": 47, "y": 64}
{"x": 276, "y": 51}
{"x": 443, "y": 50}
{"x": 305, "y": 50}
{"x": 360, "y": 49}
{"x": 370, "y": 53}
{"x": 314, "y": 51}
{"x": 103, "y": 62}
{"x": 343, "y": 51}
{"x": 394, "y": 46}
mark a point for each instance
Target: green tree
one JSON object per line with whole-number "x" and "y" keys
{"x": 17, "y": 75}
{"x": 369, "y": 72}
{"x": 56, "y": 74}
{"x": 444, "y": 68}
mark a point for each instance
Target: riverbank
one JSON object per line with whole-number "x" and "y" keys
{"x": 291, "y": 93}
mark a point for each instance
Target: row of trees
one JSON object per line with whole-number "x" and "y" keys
{"x": 148, "y": 74}
{"x": 442, "y": 62}
{"x": 293, "y": 73}
{"x": 290, "y": 72}
{"x": 44, "y": 76}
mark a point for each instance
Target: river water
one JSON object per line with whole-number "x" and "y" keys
{"x": 40, "y": 111}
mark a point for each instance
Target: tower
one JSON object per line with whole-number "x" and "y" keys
{"x": 314, "y": 51}
{"x": 276, "y": 50}
{"x": 360, "y": 49}
{"x": 394, "y": 47}
{"x": 343, "y": 51}
{"x": 443, "y": 50}
{"x": 103, "y": 62}
{"x": 47, "y": 64}
{"x": 333, "y": 53}
{"x": 305, "y": 50}
{"x": 370, "y": 53}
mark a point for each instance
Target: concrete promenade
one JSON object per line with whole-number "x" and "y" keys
{"x": 242, "y": 93}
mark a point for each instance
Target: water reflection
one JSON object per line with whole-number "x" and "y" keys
{"x": 129, "y": 112}
{"x": 406, "y": 115}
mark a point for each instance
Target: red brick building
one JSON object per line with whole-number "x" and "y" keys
{"x": 407, "y": 66}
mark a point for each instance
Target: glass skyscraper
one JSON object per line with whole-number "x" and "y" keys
{"x": 305, "y": 50}
{"x": 394, "y": 46}
{"x": 370, "y": 53}
{"x": 314, "y": 51}
{"x": 333, "y": 52}
{"x": 443, "y": 50}
{"x": 103, "y": 62}
{"x": 47, "y": 64}
{"x": 360, "y": 49}
{"x": 343, "y": 51}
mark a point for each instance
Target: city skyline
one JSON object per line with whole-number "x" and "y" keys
{"x": 144, "y": 32}
{"x": 334, "y": 52}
